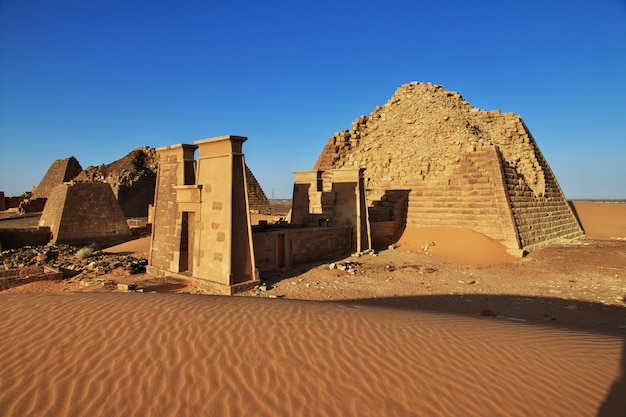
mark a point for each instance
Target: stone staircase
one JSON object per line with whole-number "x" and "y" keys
{"x": 474, "y": 198}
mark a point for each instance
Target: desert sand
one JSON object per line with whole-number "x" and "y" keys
{"x": 186, "y": 355}
{"x": 457, "y": 329}
{"x": 602, "y": 220}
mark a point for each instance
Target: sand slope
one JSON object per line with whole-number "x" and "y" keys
{"x": 456, "y": 244}
{"x": 183, "y": 355}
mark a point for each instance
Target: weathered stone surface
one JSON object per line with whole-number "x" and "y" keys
{"x": 82, "y": 213}
{"x": 201, "y": 215}
{"x": 462, "y": 166}
{"x": 61, "y": 170}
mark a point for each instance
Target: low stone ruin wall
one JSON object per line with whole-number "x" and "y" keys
{"x": 17, "y": 238}
{"x": 10, "y": 278}
{"x": 13, "y": 202}
{"x": 288, "y": 247}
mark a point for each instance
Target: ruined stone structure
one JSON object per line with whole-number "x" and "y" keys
{"x": 132, "y": 179}
{"x": 61, "y": 170}
{"x": 83, "y": 213}
{"x": 201, "y": 226}
{"x": 428, "y": 158}
{"x": 333, "y": 198}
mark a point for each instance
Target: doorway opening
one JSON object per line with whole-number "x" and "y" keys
{"x": 185, "y": 262}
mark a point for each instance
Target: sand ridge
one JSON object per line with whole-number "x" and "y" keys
{"x": 176, "y": 354}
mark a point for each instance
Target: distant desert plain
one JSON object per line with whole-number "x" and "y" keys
{"x": 444, "y": 323}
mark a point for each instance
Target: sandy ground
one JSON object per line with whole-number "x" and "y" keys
{"x": 458, "y": 328}
{"x": 185, "y": 355}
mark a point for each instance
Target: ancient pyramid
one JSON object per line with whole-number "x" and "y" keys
{"x": 61, "y": 170}
{"x": 460, "y": 166}
{"x": 83, "y": 213}
{"x": 257, "y": 198}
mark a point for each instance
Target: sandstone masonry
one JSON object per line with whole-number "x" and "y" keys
{"x": 458, "y": 166}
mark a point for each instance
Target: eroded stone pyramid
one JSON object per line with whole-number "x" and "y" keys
{"x": 462, "y": 166}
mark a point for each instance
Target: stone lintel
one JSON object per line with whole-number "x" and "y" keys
{"x": 227, "y": 144}
{"x": 307, "y": 177}
{"x": 188, "y": 193}
{"x": 184, "y": 149}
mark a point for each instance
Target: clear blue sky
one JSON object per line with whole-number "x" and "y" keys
{"x": 94, "y": 79}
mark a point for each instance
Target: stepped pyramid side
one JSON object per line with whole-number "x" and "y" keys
{"x": 257, "y": 198}
{"x": 61, "y": 170}
{"x": 83, "y": 213}
{"x": 463, "y": 166}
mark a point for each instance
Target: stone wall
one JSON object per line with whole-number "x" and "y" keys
{"x": 284, "y": 248}
{"x": 15, "y": 277}
{"x": 17, "y": 238}
{"x": 463, "y": 166}
{"x": 32, "y": 205}
{"x": 14, "y": 202}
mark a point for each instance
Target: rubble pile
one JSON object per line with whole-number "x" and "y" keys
{"x": 140, "y": 163}
{"x": 64, "y": 257}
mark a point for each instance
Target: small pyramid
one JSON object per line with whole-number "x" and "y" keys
{"x": 61, "y": 170}
{"x": 257, "y": 198}
{"x": 84, "y": 213}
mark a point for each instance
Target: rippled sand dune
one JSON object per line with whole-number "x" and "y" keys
{"x": 184, "y": 355}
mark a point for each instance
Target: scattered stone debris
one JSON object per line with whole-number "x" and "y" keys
{"x": 126, "y": 287}
{"x": 263, "y": 287}
{"x": 365, "y": 252}
{"x": 347, "y": 266}
{"x": 427, "y": 246}
{"x": 64, "y": 257}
